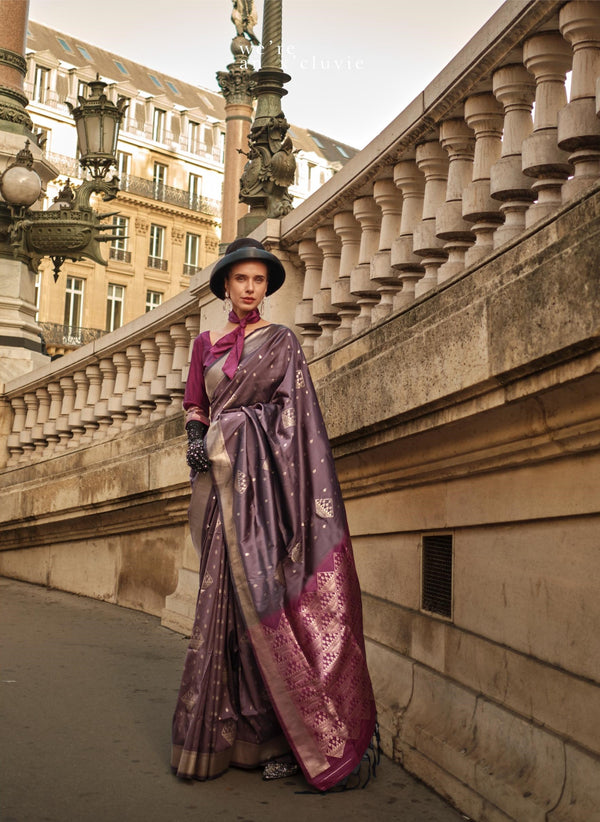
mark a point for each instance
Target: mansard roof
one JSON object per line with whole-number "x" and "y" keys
{"x": 80, "y": 54}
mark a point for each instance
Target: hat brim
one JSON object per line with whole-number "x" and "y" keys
{"x": 275, "y": 270}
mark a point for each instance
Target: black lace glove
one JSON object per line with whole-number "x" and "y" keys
{"x": 196, "y": 456}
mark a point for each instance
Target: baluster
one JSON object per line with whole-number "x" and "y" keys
{"x": 129, "y": 401}
{"x": 483, "y": 113}
{"x": 389, "y": 200}
{"x": 361, "y": 285}
{"x": 26, "y": 436}
{"x": 13, "y": 442}
{"x": 458, "y": 141}
{"x": 75, "y": 423}
{"x": 158, "y": 386}
{"x": 578, "y": 125}
{"x": 348, "y": 230}
{"x": 115, "y": 403}
{"x": 192, "y": 324}
{"x": 433, "y": 162}
{"x": 103, "y": 415}
{"x": 88, "y": 412}
{"x": 548, "y": 57}
{"x": 175, "y": 383}
{"x": 50, "y": 433}
{"x": 143, "y": 394}
{"x": 411, "y": 182}
{"x": 514, "y": 88}
{"x": 38, "y": 436}
{"x": 327, "y": 315}
{"x": 63, "y": 429}
{"x": 310, "y": 254}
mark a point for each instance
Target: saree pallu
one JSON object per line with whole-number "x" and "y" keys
{"x": 277, "y": 657}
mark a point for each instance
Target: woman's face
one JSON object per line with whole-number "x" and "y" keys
{"x": 246, "y": 285}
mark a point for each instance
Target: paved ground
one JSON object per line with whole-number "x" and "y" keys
{"x": 86, "y": 695}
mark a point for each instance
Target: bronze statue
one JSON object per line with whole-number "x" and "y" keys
{"x": 244, "y": 18}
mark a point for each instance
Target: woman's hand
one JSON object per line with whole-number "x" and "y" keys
{"x": 196, "y": 456}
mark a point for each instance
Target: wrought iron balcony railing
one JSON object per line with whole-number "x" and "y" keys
{"x": 73, "y": 336}
{"x": 158, "y": 262}
{"x": 189, "y": 270}
{"x": 169, "y": 194}
{"x": 120, "y": 255}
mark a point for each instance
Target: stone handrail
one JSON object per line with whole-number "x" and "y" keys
{"x": 464, "y": 170}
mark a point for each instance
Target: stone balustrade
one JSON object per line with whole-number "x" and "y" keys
{"x": 488, "y": 150}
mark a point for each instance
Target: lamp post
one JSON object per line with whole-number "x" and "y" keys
{"x": 271, "y": 163}
{"x": 69, "y": 229}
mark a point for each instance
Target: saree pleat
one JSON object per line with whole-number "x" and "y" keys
{"x": 279, "y": 604}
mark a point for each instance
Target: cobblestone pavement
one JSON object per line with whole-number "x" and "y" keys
{"x": 86, "y": 696}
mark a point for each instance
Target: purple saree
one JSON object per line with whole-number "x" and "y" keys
{"x": 276, "y": 659}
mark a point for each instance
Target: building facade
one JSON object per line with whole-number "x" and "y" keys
{"x": 170, "y": 166}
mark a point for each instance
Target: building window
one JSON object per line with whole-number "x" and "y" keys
{"x": 436, "y": 574}
{"x": 73, "y": 302}
{"x": 40, "y": 84}
{"x": 194, "y": 142}
{"x": 123, "y": 164}
{"x": 42, "y": 136}
{"x": 85, "y": 53}
{"x": 221, "y": 146}
{"x": 153, "y": 300}
{"x": 125, "y": 122}
{"x": 82, "y": 89}
{"x": 36, "y": 298}
{"x": 114, "y": 306}
{"x": 195, "y": 190}
{"x": 312, "y": 176}
{"x": 158, "y": 125}
{"x": 192, "y": 254}
{"x": 159, "y": 180}
{"x": 156, "y": 250}
{"x": 118, "y": 246}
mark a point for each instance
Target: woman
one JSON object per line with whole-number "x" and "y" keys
{"x": 276, "y": 661}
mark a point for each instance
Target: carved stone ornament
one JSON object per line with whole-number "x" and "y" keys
{"x": 177, "y": 236}
{"x": 237, "y": 84}
{"x": 14, "y": 60}
{"x": 141, "y": 226}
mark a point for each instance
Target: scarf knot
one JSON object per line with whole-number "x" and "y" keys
{"x": 234, "y": 341}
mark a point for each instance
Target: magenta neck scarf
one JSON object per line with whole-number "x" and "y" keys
{"x": 234, "y": 341}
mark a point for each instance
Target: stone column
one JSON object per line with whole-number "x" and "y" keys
{"x": 433, "y": 162}
{"x": 20, "y": 341}
{"x": 310, "y": 254}
{"x": 361, "y": 285}
{"x": 326, "y": 313}
{"x": 514, "y": 88}
{"x": 578, "y": 126}
{"x": 450, "y": 226}
{"x": 38, "y": 436}
{"x": 348, "y": 230}
{"x": 548, "y": 57}
{"x": 81, "y": 390}
{"x": 237, "y": 86}
{"x": 411, "y": 182}
{"x": 483, "y": 113}
{"x": 389, "y": 200}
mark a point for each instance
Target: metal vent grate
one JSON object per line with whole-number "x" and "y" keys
{"x": 436, "y": 587}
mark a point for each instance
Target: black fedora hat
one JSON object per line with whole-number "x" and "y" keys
{"x": 245, "y": 248}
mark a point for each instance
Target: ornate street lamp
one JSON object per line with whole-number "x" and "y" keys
{"x": 70, "y": 228}
{"x": 97, "y": 120}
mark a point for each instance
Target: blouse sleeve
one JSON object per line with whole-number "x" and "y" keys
{"x": 195, "y": 399}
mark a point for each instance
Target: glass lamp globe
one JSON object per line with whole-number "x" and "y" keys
{"x": 20, "y": 186}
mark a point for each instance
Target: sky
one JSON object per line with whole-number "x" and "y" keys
{"x": 354, "y": 65}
